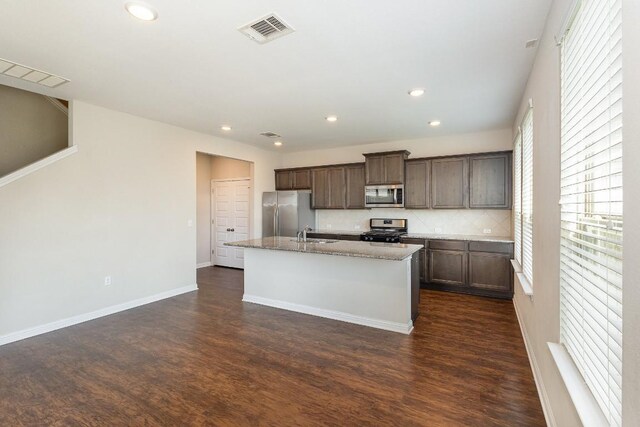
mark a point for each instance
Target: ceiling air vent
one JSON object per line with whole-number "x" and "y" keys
{"x": 270, "y": 135}
{"x": 13, "y": 69}
{"x": 266, "y": 29}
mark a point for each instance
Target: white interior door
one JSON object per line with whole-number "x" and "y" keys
{"x": 230, "y": 220}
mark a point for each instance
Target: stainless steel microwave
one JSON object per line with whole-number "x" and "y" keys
{"x": 384, "y": 196}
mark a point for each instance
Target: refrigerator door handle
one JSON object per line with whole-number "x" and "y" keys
{"x": 275, "y": 222}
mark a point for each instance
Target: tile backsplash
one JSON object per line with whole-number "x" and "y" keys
{"x": 445, "y": 221}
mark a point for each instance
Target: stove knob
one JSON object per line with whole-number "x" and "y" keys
{"x": 388, "y": 239}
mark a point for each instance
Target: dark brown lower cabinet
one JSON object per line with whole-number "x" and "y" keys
{"x": 447, "y": 267}
{"x": 470, "y": 267}
{"x": 476, "y": 267}
{"x": 490, "y": 272}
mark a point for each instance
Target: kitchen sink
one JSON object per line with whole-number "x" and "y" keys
{"x": 315, "y": 241}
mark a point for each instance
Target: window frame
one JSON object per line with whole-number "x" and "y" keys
{"x": 578, "y": 198}
{"x": 523, "y": 159}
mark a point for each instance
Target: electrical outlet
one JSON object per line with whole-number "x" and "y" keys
{"x": 437, "y": 230}
{"x": 190, "y": 223}
{"x": 329, "y": 226}
{"x": 357, "y": 227}
{"x": 107, "y": 280}
{"x": 487, "y": 231}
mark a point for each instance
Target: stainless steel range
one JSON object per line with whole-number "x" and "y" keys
{"x": 385, "y": 230}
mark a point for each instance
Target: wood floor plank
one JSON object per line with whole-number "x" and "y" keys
{"x": 207, "y": 358}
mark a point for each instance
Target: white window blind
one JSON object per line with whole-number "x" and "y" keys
{"x": 527, "y": 196}
{"x": 517, "y": 198}
{"x": 591, "y": 200}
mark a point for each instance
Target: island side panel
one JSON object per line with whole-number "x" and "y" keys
{"x": 366, "y": 291}
{"x": 414, "y": 277}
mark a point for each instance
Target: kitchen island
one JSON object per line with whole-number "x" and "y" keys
{"x": 371, "y": 284}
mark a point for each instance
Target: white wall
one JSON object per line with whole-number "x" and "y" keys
{"x": 496, "y": 140}
{"x": 540, "y": 315}
{"x": 31, "y": 128}
{"x": 118, "y": 207}
{"x": 203, "y": 210}
{"x": 631, "y": 178}
{"x": 226, "y": 168}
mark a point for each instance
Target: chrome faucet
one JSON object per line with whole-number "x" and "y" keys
{"x": 298, "y": 236}
{"x": 304, "y": 233}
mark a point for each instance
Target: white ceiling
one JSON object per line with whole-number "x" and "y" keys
{"x": 355, "y": 59}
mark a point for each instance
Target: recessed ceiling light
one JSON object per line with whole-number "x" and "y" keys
{"x": 331, "y": 118}
{"x": 278, "y": 143}
{"x": 434, "y": 123}
{"x": 416, "y": 92}
{"x": 225, "y": 127}
{"x": 141, "y": 11}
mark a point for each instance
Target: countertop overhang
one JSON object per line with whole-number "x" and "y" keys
{"x": 359, "y": 249}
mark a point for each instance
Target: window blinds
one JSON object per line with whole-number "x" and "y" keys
{"x": 527, "y": 196}
{"x": 517, "y": 198}
{"x": 591, "y": 200}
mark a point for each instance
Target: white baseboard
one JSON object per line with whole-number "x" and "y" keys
{"x": 537, "y": 375}
{"x": 204, "y": 264}
{"x": 330, "y": 314}
{"x": 70, "y": 321}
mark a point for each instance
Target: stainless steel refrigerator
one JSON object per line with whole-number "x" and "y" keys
{"x": 284, "y": 213}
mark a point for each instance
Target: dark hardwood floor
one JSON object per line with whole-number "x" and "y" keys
{"x": 206, "y": 358}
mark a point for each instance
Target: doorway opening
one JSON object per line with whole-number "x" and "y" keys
{"x": 224, "y": 193}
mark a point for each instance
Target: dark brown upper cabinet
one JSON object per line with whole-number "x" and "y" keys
{"x": 302, "y": 179}
{"x": 293, "y": 179}
{"x": 450, "y": 183}
{"x": 416, "y": 187}
{"x": 385, "y": 168}
{"x": 490, "y": 181}
{"x": 355, "y": 186}
{"x": 476, "y": 181}
{"x": 337, "y": 190}
{"x": 283, "y": 180}
{"x": 328, "y": 188}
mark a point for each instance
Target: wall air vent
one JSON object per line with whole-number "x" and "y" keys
{"x": 270, "y": 135}
{"x": 266, "y": 29}
{"x": 12, "y": 69}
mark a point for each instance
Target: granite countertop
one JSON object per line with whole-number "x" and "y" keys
{"x": 386, "y": 251}
{"x": 467, "y": 237}
{"x": 432, "y": 236}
